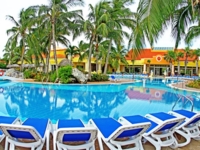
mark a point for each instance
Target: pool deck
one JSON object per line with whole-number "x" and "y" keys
{"x": 194, "y": 145}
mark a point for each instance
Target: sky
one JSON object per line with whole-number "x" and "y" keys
{"x": 13, "y": 7}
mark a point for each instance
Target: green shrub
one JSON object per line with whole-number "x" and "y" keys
{"x": 104, "y": 77}
{"x": 109, "y": 72}
{"x": 38, "y": 77}
{"x": 99, "y": 77}
{"x": 194, "y": 84}
{"x": 52, "y": 76}
{"x": 65, "y": 73}
{"x": 2, "y": 66}
{"x": 29, "y": 73}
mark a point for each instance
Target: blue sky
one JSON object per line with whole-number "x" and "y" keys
{"x": 13, "y": 7}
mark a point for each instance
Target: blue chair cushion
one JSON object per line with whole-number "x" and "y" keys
{"x": 8, "y": 120}
{"x": 76, "y": 123}
{"x": 109, "y": 125}
{"x": 39, "y": 124}
{"x": 188, "y": 114}
{"x": 140, "y": 119}
{"x": 185, "y": 113}
{"x": 163, "y": 116}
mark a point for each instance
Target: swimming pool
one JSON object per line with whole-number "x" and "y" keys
{"x": 27, "y": 100}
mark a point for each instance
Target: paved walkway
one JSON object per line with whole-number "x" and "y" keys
{"x": 182, "y": 86}
{"x": 194, "y": 145}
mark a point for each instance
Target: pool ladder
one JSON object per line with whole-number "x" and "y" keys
{"x": 187, "y": 100}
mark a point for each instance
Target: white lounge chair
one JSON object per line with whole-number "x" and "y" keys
{"x": 191, "y": 124}
{"x": 7, "y": 120}
{"x": 68, "y": 132}
{"x": 32, "y": 133}
{"x": 160, "y": 133}
{"x": 113, "y": 78}
{"x": 111, "y": 131}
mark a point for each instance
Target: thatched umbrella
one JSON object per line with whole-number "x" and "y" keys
{"x": 14, "y": 66}
{"x": 9, "y": 66}
{"x": 25, "y": 65}
{"x": 31, "y": 65}
{"x": 64, "y": 62}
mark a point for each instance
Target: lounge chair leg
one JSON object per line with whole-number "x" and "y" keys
{"x": 54, "y": 142}
{"x": 140, "y": 145}
{"x": 12, "y": 146}
{"x": 47, "y": 141}
{"x": 100, "y": 143}
{"x": 6, "y": 144}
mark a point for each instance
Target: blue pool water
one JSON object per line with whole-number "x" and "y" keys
{"x": 92, "y": 101}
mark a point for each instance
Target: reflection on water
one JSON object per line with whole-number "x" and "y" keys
{"x": 87, "y": 101}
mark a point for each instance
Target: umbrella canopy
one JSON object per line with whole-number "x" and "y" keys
{"x": 64, "y": 62}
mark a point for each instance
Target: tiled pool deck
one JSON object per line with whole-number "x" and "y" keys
{"x": 194, "y": 145}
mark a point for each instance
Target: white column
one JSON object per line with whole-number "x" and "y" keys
{"x": 118, "y": 69}
{"x": 87, "y": 66}
{"x": 144, "y": 68}
{"x": 172, "y": 72}
{"x": 99, "y": 67}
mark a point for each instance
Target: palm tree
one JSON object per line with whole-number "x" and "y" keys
{"x": 178, "y": 56}
{"x": 118, "y": 15}
{"x": 153, "y": 17}
{"x": 71, "y": 51}
{"x": 149, "y": 63}
{"x": 57, "y": 12}
{"x": 170, "y": 57}
{"x": 20, "y": 30}
{"x": 118, "y": 56}
{"x": 95, "y": 26}
{"x": 187, "y": 53}
{"x": 196, "y": 54}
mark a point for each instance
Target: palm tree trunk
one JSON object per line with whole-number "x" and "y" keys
{"x": 96, "y": 47}
{"x": 22, "y": 57}
{"x": 47, "y": 58}
{"x": 185, "y": 65}
{"x": 178, "y": 67}
{"x": 89, "y": 57}
{"x": 107, "y": 58}
{"x": 197, "y": 65}
{"x": 171, "y": 68}
{"x": 54, "y": 46}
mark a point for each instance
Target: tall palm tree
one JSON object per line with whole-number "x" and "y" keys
{"x": 10, "y": 51}
{"x": 170, "y": 57}
{"x": 71, "y": 51}
{"x": 153, "y": 17}
{"x": 95, "y": 26}
{"x": 149, "y": 63}
{"x": 196, "y": 54}
{"x": 118, "y": 16}
{"x": 187, "y": 54}
{"x": 20, "y": 30}
{"x": 178, "y": 56}
{"x": 58, "y": 12}
{"x": 118, "y": 56}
